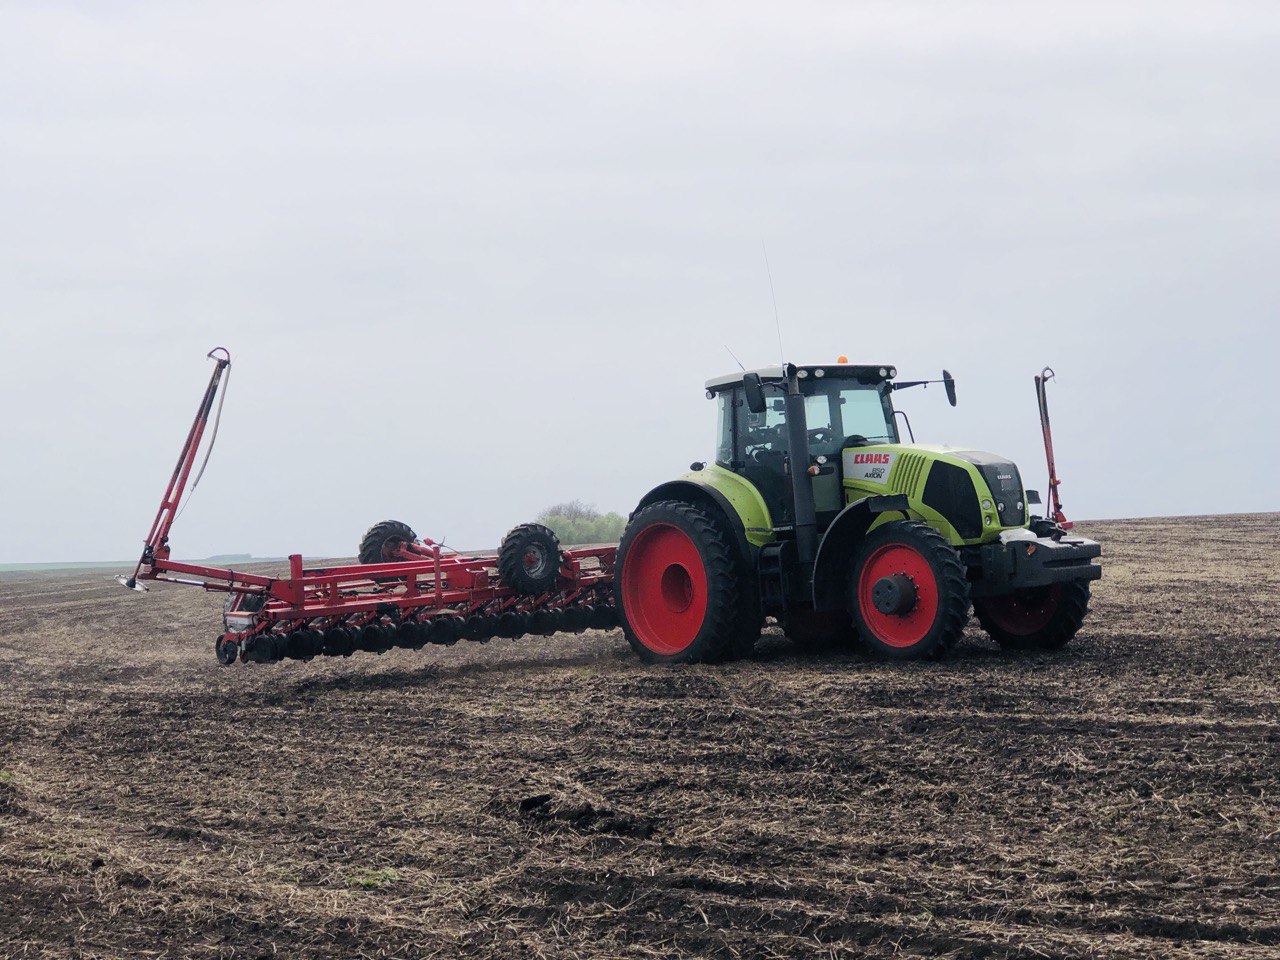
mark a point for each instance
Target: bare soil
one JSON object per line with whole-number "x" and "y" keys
{"x": 555, "y": 798}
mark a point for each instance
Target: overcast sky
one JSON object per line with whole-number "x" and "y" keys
{"x": 472, "y": 259}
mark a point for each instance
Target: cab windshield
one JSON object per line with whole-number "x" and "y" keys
{"x": 840, "y": 412}
{"x": 843, "y": 413}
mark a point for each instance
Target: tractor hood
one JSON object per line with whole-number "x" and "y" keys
{"x": 977, "y": 493}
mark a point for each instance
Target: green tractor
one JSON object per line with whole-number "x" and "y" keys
{"x": 816, "y": 513}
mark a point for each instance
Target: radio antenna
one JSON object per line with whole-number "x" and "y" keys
{"x": 735, "y": 359}
{"x": 782, "y": 354}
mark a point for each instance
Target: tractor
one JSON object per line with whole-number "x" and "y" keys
{"x": 816, "y": 513}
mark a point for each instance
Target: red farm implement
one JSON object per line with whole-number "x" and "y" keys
{"x": 404, "y": 592}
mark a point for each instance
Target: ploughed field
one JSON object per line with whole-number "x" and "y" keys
{"x": 556, "y": 798}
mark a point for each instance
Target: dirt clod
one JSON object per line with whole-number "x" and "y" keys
{"x": 583, "y": 816}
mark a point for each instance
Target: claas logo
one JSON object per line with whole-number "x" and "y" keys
{"x": 871, "y": 458}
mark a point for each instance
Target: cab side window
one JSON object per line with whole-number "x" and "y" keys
{"x": 726, "y": 401}
{"x": 762, "y": 453}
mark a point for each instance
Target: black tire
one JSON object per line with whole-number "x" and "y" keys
{"x": 529, "y": 560}
{"x": 1039, "y": 618}
{"x": 227, "y": 649}
{"x": 480, "y": 627}
{"x": 410, "y": 635}
{"x": 381, "y": 535}
{"x": 573, "y": 620}
{"x": 604, "y": 618}
{"x": 338, "y": 642}
{"x": 513, "y": 625}
{"x": 677, "y": 586}
{"x": 544, "y": 622}
{"x": 934, "y": 592}
{"x": 820, "y": 631}
{"x": 445, "y": 630}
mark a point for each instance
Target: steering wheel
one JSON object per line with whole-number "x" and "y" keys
{"x": 855, "y": 440}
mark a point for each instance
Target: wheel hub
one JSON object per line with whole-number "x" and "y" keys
{"x": 677, "y": 588}
{"x": 894, "y": 595}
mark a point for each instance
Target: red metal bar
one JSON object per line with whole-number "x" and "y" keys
{"x": 157, "y": 543}
{"x": 1054, "y": 504}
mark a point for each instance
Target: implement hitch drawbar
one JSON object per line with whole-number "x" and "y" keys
{"x": 409, "y": 593}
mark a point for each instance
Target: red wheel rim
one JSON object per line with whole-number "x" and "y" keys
{"x": 906, "y": 629}
{"x": 1024, "y": 612}
{"x": 664, "y": 589}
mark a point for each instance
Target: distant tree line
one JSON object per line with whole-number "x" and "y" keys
{"x": 576, "y": 523}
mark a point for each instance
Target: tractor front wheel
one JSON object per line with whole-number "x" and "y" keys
{"x": 677, "y": 586}
{"x": 910, "y": 598}
{"x": 1039, "y": 618}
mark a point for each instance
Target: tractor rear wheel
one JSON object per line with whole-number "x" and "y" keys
{"x": 910, "y": 598}
{"x": 677, "y": 588}
{"x": 1039, "y": 618}
{"x": 380, "y": 539}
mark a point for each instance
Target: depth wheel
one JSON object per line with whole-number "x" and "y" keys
{"x": 1039, "y": 618}
{"x": 227, "y": 650}
{"x": 677, "y": 586}
{"x": 910, "y": 598}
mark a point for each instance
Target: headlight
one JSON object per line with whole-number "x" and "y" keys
{"x": 986, "y": 504}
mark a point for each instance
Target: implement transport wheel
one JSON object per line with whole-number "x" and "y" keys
{"x": 381, "y": 540}
{"x": 529, "y": 560}
{"x": 677, "y": 587}
{"x": 1038, "y": 618}
{"x": 910, "y": 598}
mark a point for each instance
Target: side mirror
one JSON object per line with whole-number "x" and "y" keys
{"x": 754, "y": 391}
{"x": 949, "y": 384}
{"x": 1033, "y": 498}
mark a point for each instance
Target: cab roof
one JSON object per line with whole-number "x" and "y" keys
{"x": 866, "y": 372}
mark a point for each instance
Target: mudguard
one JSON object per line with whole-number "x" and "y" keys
{"x": 835, "y": 553}
{"x": 727, "y": 493}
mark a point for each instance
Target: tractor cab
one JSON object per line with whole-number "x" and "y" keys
{"x": 845, "y": 406}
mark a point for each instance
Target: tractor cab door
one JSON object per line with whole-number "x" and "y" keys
{"x": 754, "y": 445}
{"x": 823, "y": 419}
